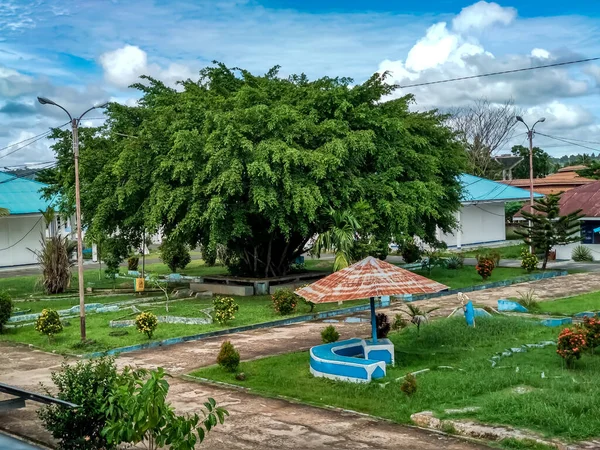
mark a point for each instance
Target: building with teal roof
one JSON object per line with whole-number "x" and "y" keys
{"x": 481, "y": 219}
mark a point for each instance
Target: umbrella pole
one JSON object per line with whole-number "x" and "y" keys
{"x": 373, "y": 321}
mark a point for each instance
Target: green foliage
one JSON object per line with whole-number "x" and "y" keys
{"x": 138, "y": 412}
{"x": 133, "y": 262}
{"x": 87, "y": 384}
{"x": 409, "y": 385}
{"x": 175, "y": 254}
{"x": 542, "y": 163}
{"x": 228, "y": 357}
{"x": 581, "y": 253}
{"x": 285, "y": 301}
{"x": 114, "y": 250}
{"x": 49, "y": 323}
{"x": 224, "y": 309}
{"x": 255, "y": 163}
{"x": 432, "y": 258}
{"x": 529, "y": 261}
{"x": 545, "y": 228}
{"x": 146, "y": 323}
{"x": 571, "y": 344}
{"x": 383, "y": 325}
{"x": 592, "y": 328}
{"x": 485, "y": 266}
{"x": 419, "y": 316}
{"x": 329, "y": 334}
{"x": 410, "y": 251}
{"x": 529, "y": 300}
{"x": 399, "y": 323}
{"x": 592, "y": 171}
{"x": 338, "y": 238}
{"x": 511, "y": 208}
{"x": 6, "y": 306}
{"x": 209, "y": 255}
{"x": 54, "y": 260}
{"x": 455, "y": 262}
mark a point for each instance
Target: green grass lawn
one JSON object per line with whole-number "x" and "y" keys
{"x": 564, "y": 403}
{"x": 252, "y": 310}
{"x": 508, "y": 252}
{"x": 572, "y": 305}
{"x": 468, "y": 276}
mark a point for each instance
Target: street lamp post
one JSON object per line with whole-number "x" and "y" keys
{"x": 530, "y": 136}
{"x": 75, "y": 130}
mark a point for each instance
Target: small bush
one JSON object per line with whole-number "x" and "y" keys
{"x": 409, "y": 385}
{"x": 448, "y": 427}
{"x": 48, "y": 323}
{"x": 174, "y": 254}
{"x": 133, "y": 263}
{"x": 529, "y": 261}
{"x": 329, "y": 334}
{"x": 399, "y": 323}
{"x": 55, "y": 262}
{"x": 224, "y": 309}
{"x": 582, "y": 254}
{"x": 410, "y": 251}
{"x": 484, "y": 267}
{"x": 146, "y": 323}
{"x": 5, "y": 308}
{"x": 209, "y": 255}
{"x": 529, "y": 300}
{"x": 571, "y": 344}
{"x": 229, "y": 357}
{"x": 87, "y": 384}
{"x": 592, "y": 328}
{"x": 285, "y": 301}
{"x": 455, "y": 262}
{"x": 383, "y": 325}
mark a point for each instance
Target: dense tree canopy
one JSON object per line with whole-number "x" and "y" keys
{"x": 257, "y": 163}
{"x": 542, "y": 163}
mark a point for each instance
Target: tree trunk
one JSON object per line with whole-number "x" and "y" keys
{"x": 546, "y": 255}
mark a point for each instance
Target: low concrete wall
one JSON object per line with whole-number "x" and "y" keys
{"x": 224, "y": 289}
{"x": 564, "y": 251}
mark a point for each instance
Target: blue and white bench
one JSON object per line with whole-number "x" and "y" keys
{"x": 355, "y": 360}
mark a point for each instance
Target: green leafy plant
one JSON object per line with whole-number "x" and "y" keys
{"x": 6, "y": 306}
{"x": 581, "y": 253}
{"x": 146, "y": 323}
{"x": 48, "y": 323}
{"x": 285, "y": 301}
{"x": 138, "y": 412}
{"x": 571, "y": 344}
{"x": 529, "y": 300}
{"x": 329, "y": 334}
{"x": 88, "y": 384}
{"x": 432, "y": 258}
{"x": 175, "y": 254}
{"x": 339, "y": 238}
{"x": 455, "y": 262}
{"x": 55, "y": 262}
{"x": 485, "y": 266}
{"x": 419, "y": 316}
{"x": 409, "y": 385}
{"x": 133, "y": 263}
{"x": 383, "y": 325}
{"x": 224, "y": 309}
{"x": 410, "y": 251}
{"x": 228, "y": 357}
{"x": 592, "y": 328}
{"x": 529, "y": 261}
{"x": 399, "y": 323}
{"x": 114, "y": 251}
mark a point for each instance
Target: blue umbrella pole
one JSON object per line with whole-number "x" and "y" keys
{"x": 373, "y": 321}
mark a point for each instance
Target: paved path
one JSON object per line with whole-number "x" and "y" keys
{"x": 258, "y": 422}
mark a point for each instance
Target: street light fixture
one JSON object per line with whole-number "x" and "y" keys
{"x": 75, "y": 130}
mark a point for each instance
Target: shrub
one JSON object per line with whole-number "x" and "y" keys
{"x": 529, "y": 261}
{"x": 174, "y": 254}
{"x": 133, "y": 263}
{"x": 229, "y": 357}
{"x": 224, "y": 309}
{"x": 410, "y": 251}
{"x": 581, "y": 254}
{"x": 55, "y": 262}
{"x": 383, "y": 325}
{"x": 529, "y": 300}
{"x": 113, "y": 251}
{"x": 571, "y": 344}
{"x": 592, "y": 328}
{"x": 48, "y": 323}
{"x": 209, "y": 255}
{"x": 87, "y": 384}
{"x": 409, "y": 385}
{"x": 484, "y": 267}
{"x": 399, "y": 323}
{"x": 329, "y": 334}
{"x": 5, "y": 308}
{"x": 147, "y": 323}
{"x": 285, "y": 301}
{"x": 455, "y": 262}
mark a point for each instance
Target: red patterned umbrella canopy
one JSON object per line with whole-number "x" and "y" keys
{"x": 368, "y": 278}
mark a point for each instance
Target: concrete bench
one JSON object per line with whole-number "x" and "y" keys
{"x": 354, "y": 360}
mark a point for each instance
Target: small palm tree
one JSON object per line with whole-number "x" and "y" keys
{"x": 418, "y": 316}
{"x": 339, "y": 238}
{"x": 4, "y": 212}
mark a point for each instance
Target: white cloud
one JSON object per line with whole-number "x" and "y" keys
{"x": 561, "y": 116}
{"x": 482, "y": 15}
{"x": 540, "y": 53}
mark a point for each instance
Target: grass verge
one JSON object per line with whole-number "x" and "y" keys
{"x": 572, "y": 305}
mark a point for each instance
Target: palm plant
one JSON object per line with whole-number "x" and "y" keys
{"x": 339, "y": 238}
{"x": 418, "y": 316}
{"x": 4, "y": 212}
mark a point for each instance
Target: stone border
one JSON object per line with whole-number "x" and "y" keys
{"x": 317, "y": 316}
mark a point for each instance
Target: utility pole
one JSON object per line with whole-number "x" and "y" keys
{"x": 75, "y": 132}
{"x": 530, "y": 136}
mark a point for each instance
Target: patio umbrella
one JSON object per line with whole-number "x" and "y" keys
{"x": 368, "y": 278}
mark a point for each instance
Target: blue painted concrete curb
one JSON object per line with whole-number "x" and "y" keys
{"x": 307, "y": 317}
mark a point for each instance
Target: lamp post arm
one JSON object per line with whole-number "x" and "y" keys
{"x": 85, "y": 112}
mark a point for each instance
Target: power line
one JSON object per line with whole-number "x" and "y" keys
{"x": 25, "y": 175}
{"x": 35, "y": 139}
{"x": 26, "y": 234}
{"x": 568, "y": 142}
{"x": 524, "y": 69}
{"x": 572, "y": 139}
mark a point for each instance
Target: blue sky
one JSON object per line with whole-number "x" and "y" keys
{"x": 82, "y": 52}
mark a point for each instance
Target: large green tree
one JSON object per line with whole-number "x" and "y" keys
{"x": 542, "y": 163}
{"x": 256, "y": 163}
